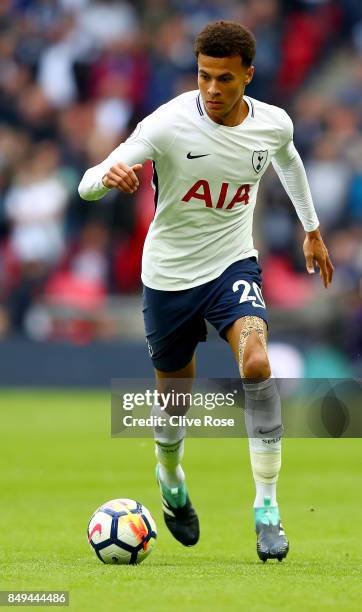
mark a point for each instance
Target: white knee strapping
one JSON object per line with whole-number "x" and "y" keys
{"x": 249, "y": 325}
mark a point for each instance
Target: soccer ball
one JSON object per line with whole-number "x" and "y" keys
{"x": 122, "y": 531}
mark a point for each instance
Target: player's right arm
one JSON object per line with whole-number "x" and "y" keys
{"x": 122, "y": 177}
{"x": 150, "y": 140}
{"x": 118, "y": 171}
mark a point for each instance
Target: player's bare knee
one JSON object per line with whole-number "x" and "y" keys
{"x": 256, "y": 365}
{"x": 253, "y": 360}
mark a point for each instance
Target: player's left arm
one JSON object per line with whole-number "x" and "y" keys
{"x": 290, "y": 169}
{"x": 315, "y": 252}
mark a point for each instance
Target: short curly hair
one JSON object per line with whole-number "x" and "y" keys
{"x": 226, "y": 39}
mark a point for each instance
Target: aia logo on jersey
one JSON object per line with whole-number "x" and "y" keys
{"x": 259, "y": 160}
{"x": 201, "y": 191}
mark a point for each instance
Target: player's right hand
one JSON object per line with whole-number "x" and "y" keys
{"x": 122, "y": 177}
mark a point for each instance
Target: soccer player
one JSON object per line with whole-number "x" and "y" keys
{"x": 209, "y": 149}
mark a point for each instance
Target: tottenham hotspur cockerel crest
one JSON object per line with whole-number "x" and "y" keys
{"x": 259, "y": 160}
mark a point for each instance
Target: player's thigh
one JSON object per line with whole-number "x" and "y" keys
{"x": 236, "y": 303}
{"x": 174, "y": 326}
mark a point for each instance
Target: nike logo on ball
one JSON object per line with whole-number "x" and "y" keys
{"x": 97, "y": 527}
{"x": 189, "y": 156}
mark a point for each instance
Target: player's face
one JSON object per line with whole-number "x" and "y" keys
{"x": 222, "y": 81}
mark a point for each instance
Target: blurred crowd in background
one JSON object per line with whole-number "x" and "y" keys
{"x": 75, "y": 78}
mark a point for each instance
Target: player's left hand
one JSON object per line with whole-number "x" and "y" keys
{"x": 315, "y": 252}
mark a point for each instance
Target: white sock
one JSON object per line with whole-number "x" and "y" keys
{"x": 172, "y": 479}
{"x": 265, "y": 490}
{"x": 169, "y": 457}
{"x": 265, "y": 457}
{"x": 169, "y": 450}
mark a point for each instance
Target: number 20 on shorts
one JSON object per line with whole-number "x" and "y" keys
{"x": 256, "y": 300}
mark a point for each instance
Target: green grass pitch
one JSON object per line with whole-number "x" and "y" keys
{"x": 58, "y": 463}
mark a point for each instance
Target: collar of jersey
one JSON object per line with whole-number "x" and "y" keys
{"x": 228, "y": 127}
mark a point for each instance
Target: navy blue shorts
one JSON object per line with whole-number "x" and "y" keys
{"x": 175, "y": 320}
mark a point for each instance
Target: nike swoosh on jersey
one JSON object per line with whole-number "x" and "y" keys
{"x": 189, "y": 156}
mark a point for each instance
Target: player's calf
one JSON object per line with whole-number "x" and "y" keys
{"x": 264, "y": 427}
{"x": 169, "y": 448}
{"x": 179, "y": 515}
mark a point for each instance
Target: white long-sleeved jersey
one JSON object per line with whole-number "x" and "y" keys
{"x": 206, "y": 179}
